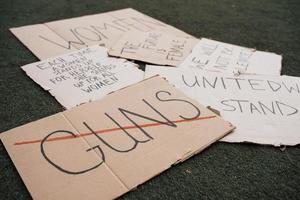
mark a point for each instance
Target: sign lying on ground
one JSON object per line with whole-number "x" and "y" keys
{"x": 84, "y": 75}
{"x": 102, "y": 149}
{"x": 153, "y": 47}
{"x": 217, "y": 56}
{"x": 58, "y": 37}
{"x": 265, "y": 109}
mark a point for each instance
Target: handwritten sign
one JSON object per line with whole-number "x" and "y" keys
{"x": 216, "y": 56}
{"x": 82, "y": 76}
{"x": 58, "y": 37}
{"x": 153, "y": 47}
{"x": 265, "y": 109}
{"x": 102, "y": 149}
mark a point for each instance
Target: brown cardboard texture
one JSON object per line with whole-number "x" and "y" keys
{"x": 102, "y": 149}
{"x": 153, "y": 47}
{"x": 58, "y": 37}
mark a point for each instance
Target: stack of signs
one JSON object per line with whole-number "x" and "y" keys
{"x": 103, "y": 149}
{"x": 129, "y": 129}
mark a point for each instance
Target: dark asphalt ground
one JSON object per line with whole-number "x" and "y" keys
{"x": 223, "y": 171}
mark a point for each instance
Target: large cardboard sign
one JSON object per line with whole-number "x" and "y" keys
{"x": 102, "y": 149}
{"x": 58, "y": 37}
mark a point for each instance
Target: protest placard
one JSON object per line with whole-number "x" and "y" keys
{"x": 103, "y": 149}
{"x": 214, "y": 56}
{"x": 153, "y": 47}
{"x": 265, "y": 109}
{"x": 82, "y": 76}
{"x": 54, "y": 38}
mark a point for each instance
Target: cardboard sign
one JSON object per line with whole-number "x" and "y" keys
{"x": 82, "y": 76}
{"x": 102, "y": 149}
{"x": 57, "y": 37}
{"x": 265, "y": 109}
{"x": 153, "y": 47}
{"x": 216, "y": 56}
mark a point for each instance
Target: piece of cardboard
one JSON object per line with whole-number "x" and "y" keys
{"x": 214, "y": 56}
{"x": 153, "y": 47}
{"x": 104, "y": 148}
{"x": 83, "y": 75}
{"x": 54, "y": 38}
{"x": 37, "y": 39}
{"x": 265, "y": 109}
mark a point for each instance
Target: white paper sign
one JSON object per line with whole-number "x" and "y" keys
{"x": 217, "y": 56}
{"x": 265, "y": 109}
{"x": 82, "y": 76}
